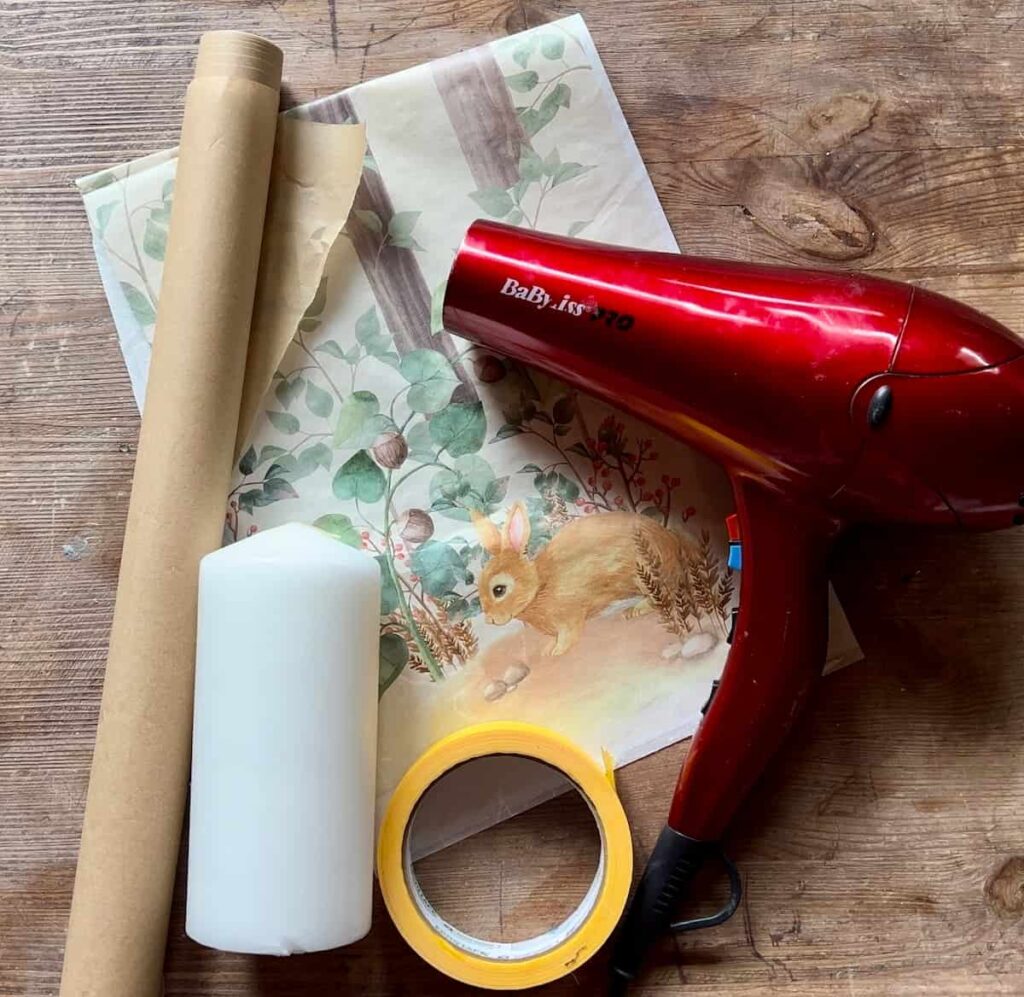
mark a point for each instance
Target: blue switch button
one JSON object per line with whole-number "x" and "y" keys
{"x": 735, "y": 561}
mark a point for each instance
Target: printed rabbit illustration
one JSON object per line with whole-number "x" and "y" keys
{"x": 588, "y": 565}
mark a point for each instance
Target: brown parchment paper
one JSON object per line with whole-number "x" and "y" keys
{"x": 315, "y": 174}
{"x": 201, "y": 352}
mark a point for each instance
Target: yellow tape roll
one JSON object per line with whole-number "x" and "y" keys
{"x": 507, "y": 965}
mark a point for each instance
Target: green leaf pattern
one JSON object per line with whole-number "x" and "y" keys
{"x": 522, "y": 203}
{"x": 129, "y": 215}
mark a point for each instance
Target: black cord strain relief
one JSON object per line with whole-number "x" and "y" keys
{"x": 673, "y": 864}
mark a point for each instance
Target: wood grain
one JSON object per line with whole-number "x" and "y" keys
{"x": 884, "y": 851}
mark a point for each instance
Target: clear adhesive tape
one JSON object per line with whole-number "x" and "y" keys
{"x": 534, "y": 961}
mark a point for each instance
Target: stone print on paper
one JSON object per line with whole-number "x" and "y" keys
{"x": 594, "y": 533}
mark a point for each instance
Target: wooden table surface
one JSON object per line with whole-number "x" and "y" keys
{"x": 884, "y": 851}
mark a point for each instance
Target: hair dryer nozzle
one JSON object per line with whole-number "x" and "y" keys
{"x": 564, "y": 305}
{"x": 607, "y": 320}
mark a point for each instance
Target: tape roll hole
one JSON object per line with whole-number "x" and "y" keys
{"x": 516, "y": 889}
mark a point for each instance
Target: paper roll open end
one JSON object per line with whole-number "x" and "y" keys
{"x": 506, "y": 965}
{"x": 239, "y": 54}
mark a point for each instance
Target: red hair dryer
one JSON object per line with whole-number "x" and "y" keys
{"x": 830, "y": 398}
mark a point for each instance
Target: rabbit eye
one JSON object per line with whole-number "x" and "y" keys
{"x": 499, "y": 591}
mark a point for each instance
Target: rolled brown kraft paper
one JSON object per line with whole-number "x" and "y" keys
{"x": 133, "y": 818}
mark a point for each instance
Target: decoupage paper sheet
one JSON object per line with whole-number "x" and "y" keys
{"x": 436, "y": 457}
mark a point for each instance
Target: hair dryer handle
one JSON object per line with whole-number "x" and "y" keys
{"x": 778, "y": 652}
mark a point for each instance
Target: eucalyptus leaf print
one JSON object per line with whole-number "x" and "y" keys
{"x": 340, "y": 527}
{"x": 140, "y": 304}
{"x": 103, "y": 214}
{"x": 523, "y": 202}
{"x": 546, "y": 79}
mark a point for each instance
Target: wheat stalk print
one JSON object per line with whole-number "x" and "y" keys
{"x": 712, "y": 587}
{"x": 651, "y": 582}
{"x": 702, "y": 590}
{"x": 723, "y": 598}
{"x": 683, "y": 607}
{"x": 451, "y": 644}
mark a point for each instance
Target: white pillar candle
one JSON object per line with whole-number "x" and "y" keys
{"x": 284, "y": 745}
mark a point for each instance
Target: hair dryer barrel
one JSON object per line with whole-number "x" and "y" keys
{"x": 715, "y": 352}
{"x": 568, "y": 307}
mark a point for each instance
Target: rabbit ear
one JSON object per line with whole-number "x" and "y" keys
{"x": 516, "y": 534}
{"x": 490, "y": 538}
